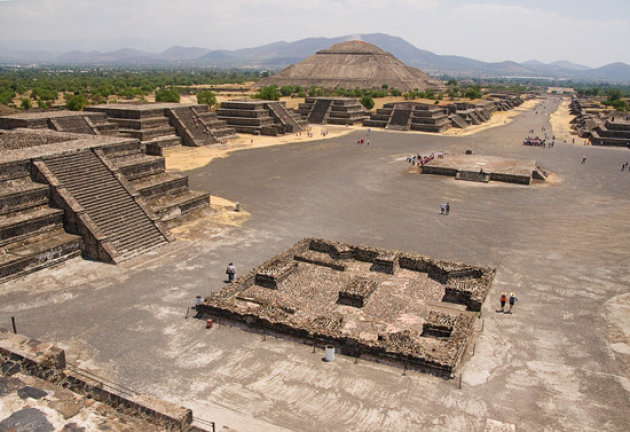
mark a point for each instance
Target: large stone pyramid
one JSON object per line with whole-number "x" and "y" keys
{"x": 349, "y": 65}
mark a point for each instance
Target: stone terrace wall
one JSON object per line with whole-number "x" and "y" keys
{"x": 21, "y": 354}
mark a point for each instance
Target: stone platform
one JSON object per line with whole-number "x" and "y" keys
{"x": 380, "y": 304}
{"x": 485, "y": 169}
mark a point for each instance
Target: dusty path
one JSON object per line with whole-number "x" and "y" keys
{"x": 560, "y": 121}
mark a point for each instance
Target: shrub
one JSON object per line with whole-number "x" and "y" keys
{"x": 206, "y": 97}
{"x": 367, "y": 102}
{"x": 76, "y": 103}
{"x": 167, "y": 95}
{"x": 26, "y": 104}
{"x": 268, "y": 93}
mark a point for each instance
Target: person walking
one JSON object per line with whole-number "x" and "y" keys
{"x": 512, "y": 301}
{"x": 447, "y": 207}
{"x": 503, "y": 300}
{"x": 583, "y": 160}
{"x": 230, "y": 271}
{"x": 442, "y": 208}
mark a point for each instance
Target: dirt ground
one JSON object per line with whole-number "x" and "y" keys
{"x": 561, "y": 123}
{"x": 187, "y": 158}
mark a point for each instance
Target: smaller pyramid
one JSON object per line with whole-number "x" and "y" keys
{"x": 349, "y": 65}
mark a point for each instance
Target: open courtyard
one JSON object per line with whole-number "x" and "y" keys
{"x": 561, "y": 361}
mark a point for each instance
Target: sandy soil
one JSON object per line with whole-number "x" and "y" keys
{"x": 189, "y": 158}
{"x": 499, "y": 118}
{"x": 560, "y": 123}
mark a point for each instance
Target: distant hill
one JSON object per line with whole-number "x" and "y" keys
{"x": 279, "y": 55}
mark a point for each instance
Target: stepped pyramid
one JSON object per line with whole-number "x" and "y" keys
{"x": 349, "y": 65}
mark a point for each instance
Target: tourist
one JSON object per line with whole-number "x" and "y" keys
{"x": 503, "y": 300}
{"x": 442, "y": 208}
{"x": 230, "y": 271}
{"x": 583, "y": 160}
{"x": 512, "y": 301}
{"x": 447, "y": 207}
{"x": 623, "y": 167}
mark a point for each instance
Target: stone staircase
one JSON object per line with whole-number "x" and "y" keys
{"x": 400, "y": 119}
{"x": 207, "y": 129}
{"x": 124, "y": 223}
{"x": 320, "y": 109}
{"x": 31, "y": 232}
{"x": 167, "y": 194}
{"x": 77, "y": 124}
{"x": 457, "y": 121}
{"x": 284, "y": 116}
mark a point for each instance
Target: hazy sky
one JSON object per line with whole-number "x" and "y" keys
{"x": 593, "y": 33}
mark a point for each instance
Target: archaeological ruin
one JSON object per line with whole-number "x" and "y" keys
{"x": 484, "y": 168}
{"x": 260, "y": 117}
{"x": 332, "y": 110}
{"x": 60, "y": 391}
{"x": 423, "y": 117}
{"x": 378, "y": 304}
{"x": 349, "y": 65}
{"x": 602, "y": 127}
{"x": 410, "y": 116}
{"x": 66, "y": 194}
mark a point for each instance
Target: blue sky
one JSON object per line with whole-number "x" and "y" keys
{"x": 588, "y": 32}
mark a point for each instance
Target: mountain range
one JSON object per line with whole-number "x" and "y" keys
{"x": 278, "y": 55}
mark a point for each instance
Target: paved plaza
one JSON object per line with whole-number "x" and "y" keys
{"x": 561, "y": 361}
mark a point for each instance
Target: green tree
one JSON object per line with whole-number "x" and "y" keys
{"x": 286, "y": 90}
{"x": 367, "y": 102}
{"x": 472, "y": 93}
{"x": 206, "y": 97}
{"x": 76, "y": 103}
{"x": 429, "y": 93}
{"x": 613, "y": 94}
{"x": 268, "y": 93}
{"x": 26, "y": 104}
{"x": 167, "y": 95}
{"x": 451, "y": 82}
{"x": 395, "y": 92}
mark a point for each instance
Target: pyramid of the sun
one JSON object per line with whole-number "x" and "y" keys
{"x": 349, "y": 65}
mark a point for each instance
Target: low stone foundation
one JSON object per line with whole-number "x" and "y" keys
{"x": 362, "y": 300}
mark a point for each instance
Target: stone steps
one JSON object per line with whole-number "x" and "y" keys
{"x": 172, "y": 206}
{"x": 37, "y": 252}
{"x": 28, "y": 222}
{"x": 148, "y": 134}
{"x": 160, "y": 184}
{"x": 107, "y": 202}
{"x": 156, "y": 146}
{"x": 21, "y": 194}
{"x": 137, "y": 167}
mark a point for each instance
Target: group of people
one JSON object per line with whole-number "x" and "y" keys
{"x": 537, "y": 142}
{"x": 198, "y": 122}
{"x": 445, "y": 208}
{"x": 421, "y": 160}
{"x": 511, "y": 300}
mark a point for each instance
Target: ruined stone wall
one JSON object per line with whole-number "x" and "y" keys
{"x": 32, "y": 357}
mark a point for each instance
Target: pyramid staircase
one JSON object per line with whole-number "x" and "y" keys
{"x": 166, "y": 194}
{"x": 208, "y": 129}
{"x": 118, "y": 224}
{"x": 320, "y": 109}
{"x": 291, "y": 121}
{"x": 32, "y": 236}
